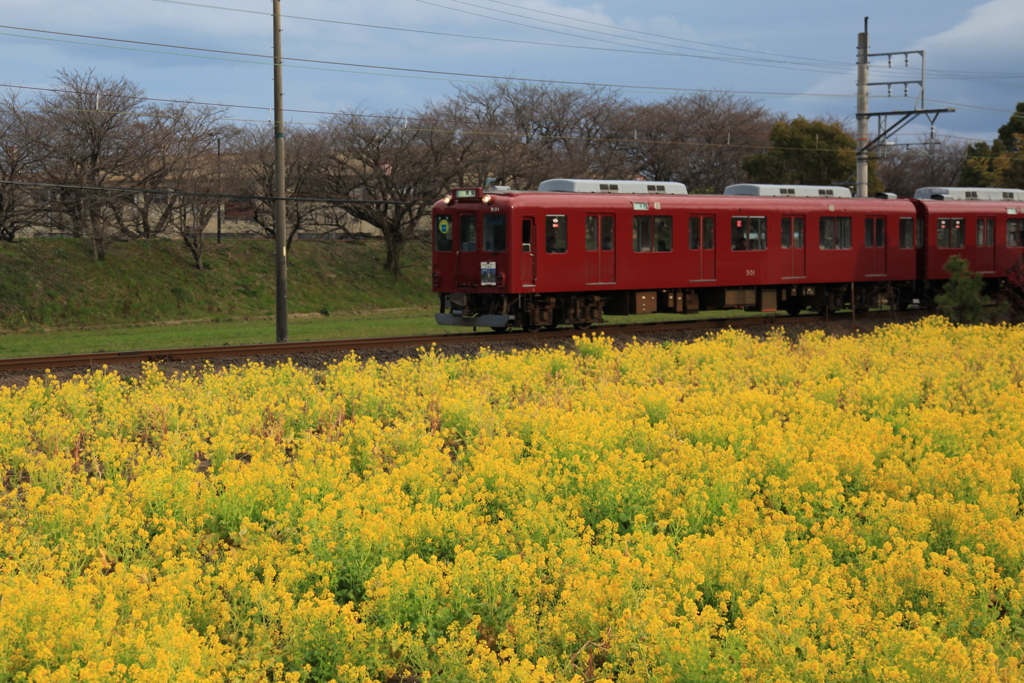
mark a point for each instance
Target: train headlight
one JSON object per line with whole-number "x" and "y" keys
{"x": 486, "y": 199}
{"x": 447, "y": 199}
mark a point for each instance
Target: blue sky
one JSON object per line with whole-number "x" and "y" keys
{"x": 797, "y": 57}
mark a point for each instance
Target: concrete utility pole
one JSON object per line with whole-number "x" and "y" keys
{"x": 280, "y": 188}
{"x": 864, "y": 144}
{"x": 862, "y": 112}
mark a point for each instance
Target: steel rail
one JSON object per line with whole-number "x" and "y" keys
{"x": 99, "y": 359}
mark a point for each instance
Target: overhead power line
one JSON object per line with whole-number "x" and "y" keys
{"x": 624, "y": 46}
{"x": 761, "y": 54}
{"x": 324, "y": 65}
{"x": 209, "y": 195}
{"x": 489, "y": 39}
{"x": 459, "y": 126}
{"x": 399, "y": 72}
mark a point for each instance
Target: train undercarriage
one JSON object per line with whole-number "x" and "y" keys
{"x": 581, "y": 310}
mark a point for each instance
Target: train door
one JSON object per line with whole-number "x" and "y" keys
{"x": 467, "y": 265}
{"x": 875, "y": 245}
{"x": 702, "y": 242}
{"x": 985, "y": 246}
{"x": 793, "y": 245}
{"x": 592, "y": 252}
{"x": 599, "y": 249}
{"x": 528, "y": 263}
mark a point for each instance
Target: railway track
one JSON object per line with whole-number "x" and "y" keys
{"x": 95, "y": 360}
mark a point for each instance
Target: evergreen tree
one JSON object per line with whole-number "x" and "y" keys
{"x": 962, "y": 300}
{"x": 808, "y": 153}
{"x": 1011, "y": 133}
{"x": 1002, "y": 163}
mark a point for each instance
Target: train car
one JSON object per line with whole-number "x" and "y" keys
{"x": 576, "y": 250}
{"x": 985, "y": 226}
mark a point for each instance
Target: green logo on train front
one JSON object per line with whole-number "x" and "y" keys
{"x": 444, "y": 226}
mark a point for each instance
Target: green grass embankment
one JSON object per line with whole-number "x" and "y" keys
{"x": 55, "y": 284}
{"x": 55, "y": 299}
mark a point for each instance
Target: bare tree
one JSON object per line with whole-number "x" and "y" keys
{"x": 22, "y": 153}
{"x": 94, "y": 130}
{"x": 699, "y": 139}
{"x": 527, "y": 133}
{"x": 306, "y": 155}
{"x": 929, "y": 163}
{"x": 195, "y": 175}
{"x": 177, "y": 147}
{"x": 394, "y": 167}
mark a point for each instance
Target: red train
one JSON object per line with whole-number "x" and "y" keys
{"x": 578, "y": 249}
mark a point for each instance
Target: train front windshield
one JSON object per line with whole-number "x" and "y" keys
{"x": 492, "y": 236}
{"x": 494, "y": 232}
{"x": 443, "y": 232}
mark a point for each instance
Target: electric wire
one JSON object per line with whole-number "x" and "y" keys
{"x": 837, "y": 67}
{"x": 448, "y": 75}
{"x": 734, "y": 59}
{"x": 459, "y": 127}
{"x": 801, "y": 61}
{"x": 489, "y": 39}
{"x": 118, "y": 189}
{"x": 321, "y": 65}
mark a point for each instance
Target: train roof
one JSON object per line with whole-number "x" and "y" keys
{"x": 764, "y": 190}
{"x": 970, "y": 193}
{"x": 610, "y": 186}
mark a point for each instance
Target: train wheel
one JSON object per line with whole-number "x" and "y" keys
{"x": 531, "y": 328}
{"x": 793, "y": 309}
{"x": 583, "y": 326}
{"x": 504, "y": 328}
{"x": 551, "y": 327}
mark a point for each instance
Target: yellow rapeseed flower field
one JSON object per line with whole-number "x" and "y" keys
{"x": 733, "y": 509}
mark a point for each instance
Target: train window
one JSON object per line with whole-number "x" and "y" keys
{"x": 652, "y": 233}
{"x": 467, "y": 232}
{"x": 556, "y": 236}
{"x": 906, "y": 233}
{"x": 527, "y": 237}
{"x": 590, "y": 233}
{"x": 663, "y": 233}
{"x": 607, "y": 233}
{"x": 494, "y": 232}
{"x": 1014, "y": 236}
{"x": 643, "y": 234}
{"x": 443, "y": 233}
{"x": 835, "y": 232}
{"x": 986, "y": 233}
{"x": 874, "y": 232}
{"x": 787, "y": 232}
{"x": 709, "y": 232}
{"x": 749, "y": 233}
{"x": 950, "y": 233}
